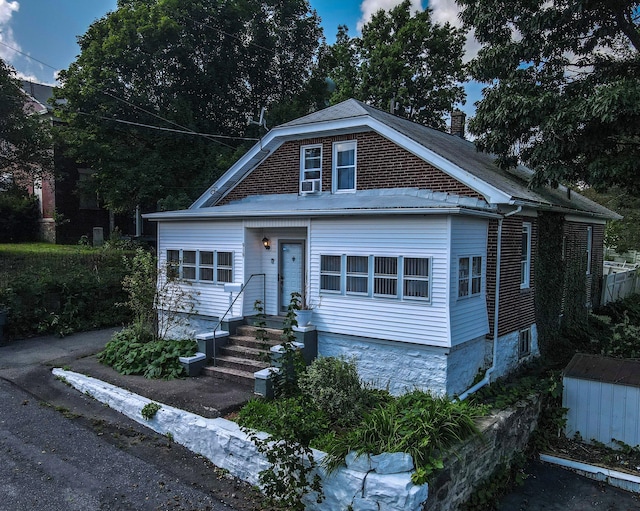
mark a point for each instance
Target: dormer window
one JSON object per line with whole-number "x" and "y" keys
{"x": 344, "y": 167}
{"x": 310, "y": 169}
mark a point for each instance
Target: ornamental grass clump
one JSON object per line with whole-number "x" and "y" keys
{"x": 418, "y": 423}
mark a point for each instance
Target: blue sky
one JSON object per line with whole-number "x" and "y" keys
{"x": 47, "y": 30}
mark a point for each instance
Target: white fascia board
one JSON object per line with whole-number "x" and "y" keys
{"x": 212, "y": 214}
{"x": 492, "y": 194}
{"x": 278, "y": 135}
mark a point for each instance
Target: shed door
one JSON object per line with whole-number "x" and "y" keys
{"x": 291, "y": 271}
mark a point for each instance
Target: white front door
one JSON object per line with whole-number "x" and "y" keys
{"x": 291, "y": 272}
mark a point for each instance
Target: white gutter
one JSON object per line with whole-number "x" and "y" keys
{"x": 190, "y": 215}
{"x": 496, "y": 313}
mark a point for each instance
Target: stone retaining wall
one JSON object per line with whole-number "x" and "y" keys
{"x": 503, "y": 434}
{"x": 366, "y": 483}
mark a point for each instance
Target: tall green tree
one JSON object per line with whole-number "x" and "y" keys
{"x": 199, "y": 66}
{"x": 404, "y": 58}
{"x": 25, "y": 139}
{"x": 563, "y": 87}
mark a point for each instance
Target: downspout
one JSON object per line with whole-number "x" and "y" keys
{"x": 496, "y": 311}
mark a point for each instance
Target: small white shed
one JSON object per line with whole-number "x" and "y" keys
{"x": 602, "y": 396}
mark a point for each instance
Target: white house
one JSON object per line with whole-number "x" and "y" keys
{"x": 416, "y": 251}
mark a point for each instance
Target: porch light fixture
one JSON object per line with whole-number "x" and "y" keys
{"x": 267, "y": 243}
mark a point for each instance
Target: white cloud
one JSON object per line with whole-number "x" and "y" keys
{"x": 6, "y": 33}
{"x": 448, "y": 11}
{"x": 369, "y": 7}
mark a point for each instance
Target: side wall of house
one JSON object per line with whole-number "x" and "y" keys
{"x": 575, "y": 239}
{"x": 380, "y": 164}
{"x": 469, "y": 319}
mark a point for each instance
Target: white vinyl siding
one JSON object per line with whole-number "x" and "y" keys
{"x": 414, "y": 319}
{"x": 205, "y": 240}
{"x": 468, "y": 316}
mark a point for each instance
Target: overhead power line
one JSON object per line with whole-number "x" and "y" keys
{"x": 186, "y": 132}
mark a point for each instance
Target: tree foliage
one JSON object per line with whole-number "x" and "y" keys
{"x": 25, "y": 142}
{"x": 402, "y": 57}
{"x": 199, "y": 66}
{"x": 563, "y": 93}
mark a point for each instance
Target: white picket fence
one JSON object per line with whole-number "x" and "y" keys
{"x": 619, "y": 280}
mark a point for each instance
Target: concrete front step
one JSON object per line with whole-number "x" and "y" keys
{"x": 241, "y": 364}
{"x": 229, "y": 374}
{"x": 239, "y": 351}
{"x": 252, "y": 342}
{"x": 272, "y": 334}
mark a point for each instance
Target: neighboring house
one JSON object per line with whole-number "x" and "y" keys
{"x": 67, "y": 212}
{"x": 393, "y": 231}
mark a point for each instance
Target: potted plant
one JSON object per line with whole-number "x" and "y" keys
{"x": 303, "y": 310}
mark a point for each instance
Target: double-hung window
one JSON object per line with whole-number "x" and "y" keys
{"x": 416, "y": 278}
{"x": 310, "y": 169}
{"x": 385, "y": 276}
{"x": 331, "y": 273}
{"x": 525, "y": 256}
{"x": 357, "y": 275}
{"x": 344, "y": 166}
{"x": 469, "y": 276}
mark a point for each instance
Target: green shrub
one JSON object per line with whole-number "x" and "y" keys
{"x": 295, "y": 418}
{"x": 131, "y": 351}
{"x": 19, "y": 216}
{"x": 418, "y": 423}
{"x": 57, "y": 290}
{"x": 334, "y": 386}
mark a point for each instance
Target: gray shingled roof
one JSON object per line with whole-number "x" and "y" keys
{"x": 464, "y": 154}
{"x": 459, "y": 152}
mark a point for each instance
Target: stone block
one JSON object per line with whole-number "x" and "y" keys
{"x": 193, "y": 365}
{"x": 361, "y": 463}
{"x": 392, "y": 462}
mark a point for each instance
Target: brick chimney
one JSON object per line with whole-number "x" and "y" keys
{"x": 458, "y": 118}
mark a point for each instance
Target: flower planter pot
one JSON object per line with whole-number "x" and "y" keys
{"x": 303, "y": 317}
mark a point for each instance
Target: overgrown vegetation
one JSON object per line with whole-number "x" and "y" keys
{"x": 143, "y": 347}
{"x": 55, "y": 289}
{"x": 132, "y": 351}
{"x": 326, "y": 406}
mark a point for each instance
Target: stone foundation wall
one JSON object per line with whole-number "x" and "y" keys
{"x": 406, "y": 367}
{"x": 503, "y": 435}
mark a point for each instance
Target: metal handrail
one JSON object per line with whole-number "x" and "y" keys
{"x": 264, "y": 292}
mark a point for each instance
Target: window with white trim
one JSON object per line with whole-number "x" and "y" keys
{"x": 589, "y": 248}
{"x": 310, "y": 169}
{"x": 376, "y": 276}
{"x": 469, "y": 276}
{"x": 189, "y": 264}
{"x": 331, "y": 273}
{"x": 344, "y": 166}
{"x": 415, "y": 278}
{"x": 200, "y": 265}
{"x": 524, "y": 342}
{"x": 385, "y": 276}
{"x": 206, "y": 266}
{"x": 357, "y": 275}
{"x": 525, "y": 256}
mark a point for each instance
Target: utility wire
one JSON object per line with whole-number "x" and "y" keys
{"x": 29, "y": 56}
{"x": 187, "y": 132}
